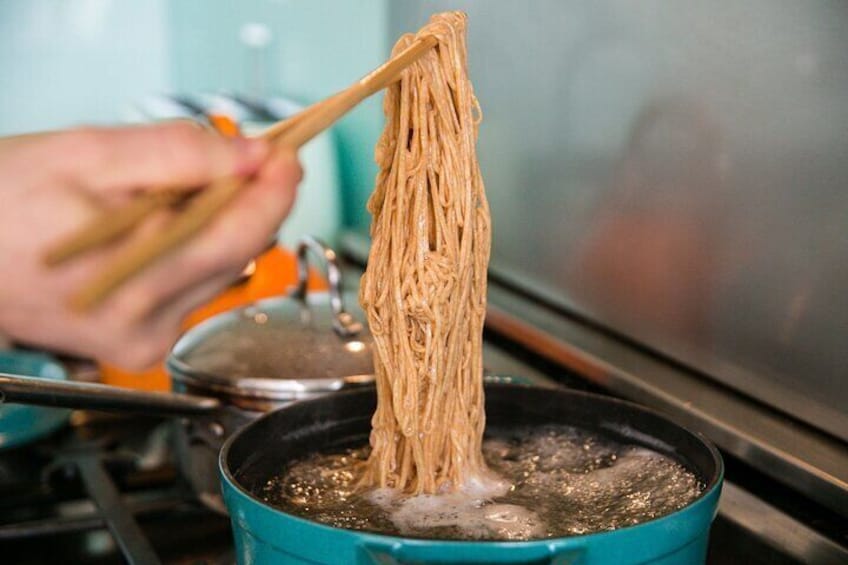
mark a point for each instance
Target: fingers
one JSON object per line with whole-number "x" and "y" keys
{"x": 175, "y": 155}
{"x": 240, "y": 233}
{"x": 140, "y": 321}
{"x": 255, "y": 215}
{"x": 145, "y": 315}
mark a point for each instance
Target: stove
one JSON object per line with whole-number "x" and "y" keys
{"x": 105, "y": 490}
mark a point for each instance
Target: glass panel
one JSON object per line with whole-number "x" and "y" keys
{"x": 677, "y": 172}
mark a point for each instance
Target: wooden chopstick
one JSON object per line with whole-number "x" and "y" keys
{"x": 115, "y": 223}
{"x": 339, "y": 104}
{"x": 110, "y": 226}
{"x": 274, "y": 132}
{"x": 207, "y": 203}
{"x": 139, "y": 255}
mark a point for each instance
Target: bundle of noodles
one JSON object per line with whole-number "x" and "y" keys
{"x": 424, "y": 290}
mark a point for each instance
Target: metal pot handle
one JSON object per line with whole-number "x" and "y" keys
{"x": 65, "y": 394}
{"x": 343, "y": 322}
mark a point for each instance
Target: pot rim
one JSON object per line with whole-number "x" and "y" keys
{"x": 262, "y": 388}
{"x": 712, "y": 485}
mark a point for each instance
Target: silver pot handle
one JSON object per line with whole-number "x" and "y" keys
{"x": 343, "y": 322}
{"x": 65, "y": 394}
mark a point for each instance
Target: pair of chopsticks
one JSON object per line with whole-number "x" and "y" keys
{"x": 202, "y": 206}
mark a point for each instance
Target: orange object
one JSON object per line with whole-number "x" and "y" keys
{"x": 274, "y": 274}
{"x": 224, "y": 125}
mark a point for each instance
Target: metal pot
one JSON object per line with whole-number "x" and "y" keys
{"x": 264, "y": 356}
{"x": 234, "y": 367}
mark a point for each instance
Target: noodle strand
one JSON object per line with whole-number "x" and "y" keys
{"x": 424, "y": 289}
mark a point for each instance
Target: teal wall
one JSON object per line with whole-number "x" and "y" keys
{"x": 317, "y": 48}
{"x": 86, "y": 61}
{"x": 64, "y": 63}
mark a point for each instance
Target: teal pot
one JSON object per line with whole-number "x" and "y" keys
{"x": 265, "y": 447}
{"x": 21, "y": 424}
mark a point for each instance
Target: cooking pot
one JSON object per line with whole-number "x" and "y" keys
{"x": 262, "y": 449}
{"x": 271, "y": 274}
{"x": 263, "y": 356}
{"x": 235, "y": 366}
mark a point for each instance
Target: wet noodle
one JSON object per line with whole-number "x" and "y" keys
{"x": 424, "y": 290}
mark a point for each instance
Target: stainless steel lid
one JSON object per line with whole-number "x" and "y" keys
{"x": 280, "y": 348}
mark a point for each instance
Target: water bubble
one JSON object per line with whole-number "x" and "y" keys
{"x": 555, "y": 481}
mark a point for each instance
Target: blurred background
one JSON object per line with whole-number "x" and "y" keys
{"x": 673, "y": 173}
{"x": 111, "y": 61}
{"x": 668, "y": 184}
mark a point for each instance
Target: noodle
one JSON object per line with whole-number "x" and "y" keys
{"x": 424, "y": 290}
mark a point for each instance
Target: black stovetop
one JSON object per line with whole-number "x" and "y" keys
{"x": 105, "y": 490}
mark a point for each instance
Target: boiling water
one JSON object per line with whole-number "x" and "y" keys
{"x": 556, "y": 481}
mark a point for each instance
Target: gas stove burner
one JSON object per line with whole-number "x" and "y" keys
{"x": 105, "y": 491}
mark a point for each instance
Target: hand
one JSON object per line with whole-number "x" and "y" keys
{"x": 53, "y": 183}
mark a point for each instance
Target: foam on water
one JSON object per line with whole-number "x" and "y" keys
{"x": 556, "y": 481}
{"x": 469, "y": 510}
